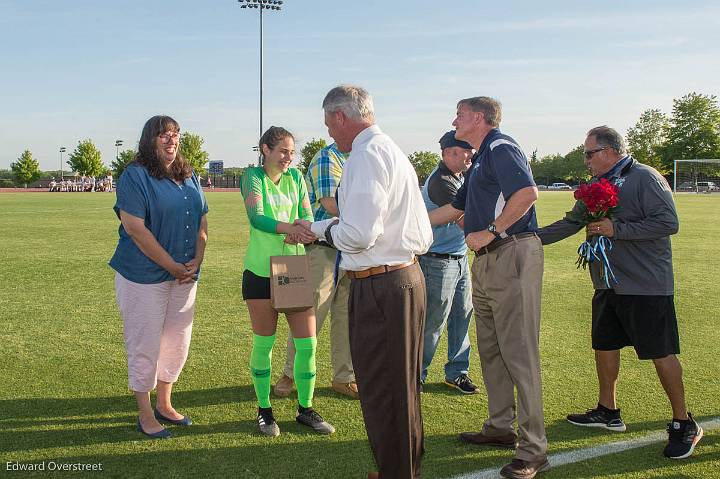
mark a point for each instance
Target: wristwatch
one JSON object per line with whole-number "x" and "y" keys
{"x": 493, "y": 230}
{"x": 328, "y": 235}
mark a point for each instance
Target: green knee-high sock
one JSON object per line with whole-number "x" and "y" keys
{"x": 304, "y": 370}
{"x": 260, "y": 360}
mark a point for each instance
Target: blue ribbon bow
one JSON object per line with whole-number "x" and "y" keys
{"x": 589, "y": 252}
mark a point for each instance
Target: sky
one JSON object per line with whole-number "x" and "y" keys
{"x": 73, "y": 70}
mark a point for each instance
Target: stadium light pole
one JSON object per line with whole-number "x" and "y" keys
{"x": 62, "y": 150}
{"x": 272, "y": 5}
{"x": 118, "y": 144}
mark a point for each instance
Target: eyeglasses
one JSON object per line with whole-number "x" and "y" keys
{"x": 168, "y": 137}
{"x": 589, "y": 154}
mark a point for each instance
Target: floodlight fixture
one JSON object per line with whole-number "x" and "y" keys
{"x": 261, "y": 5}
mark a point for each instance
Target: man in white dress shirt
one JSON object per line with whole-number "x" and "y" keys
{"x": 383, "y": 225}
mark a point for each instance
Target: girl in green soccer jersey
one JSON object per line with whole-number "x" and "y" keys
{"x": 275, "y": 196}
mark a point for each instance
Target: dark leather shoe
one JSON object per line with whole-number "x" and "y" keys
{"x": 519, "y": 469}
{"x": 185, "y": 421}
{"x": 161, "y": 434}
{"x": 479, "y": 439}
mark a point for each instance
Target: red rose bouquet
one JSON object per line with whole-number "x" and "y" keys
{"x": 595, "y": 201}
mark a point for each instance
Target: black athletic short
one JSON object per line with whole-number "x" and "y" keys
{"x": 647, "y": 323}
{"x": 254, "y": 286}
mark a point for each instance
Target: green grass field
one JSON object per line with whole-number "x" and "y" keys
{"x": 64, "y": 395}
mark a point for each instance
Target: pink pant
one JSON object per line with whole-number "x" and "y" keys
{"x": 157, "y": 324}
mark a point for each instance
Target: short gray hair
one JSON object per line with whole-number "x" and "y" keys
{"x": 489, "y": 107}
{"x": 607, "y": 137}
{"x": 354, "y": 101}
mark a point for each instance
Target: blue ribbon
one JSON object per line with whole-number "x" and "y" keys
{"x": 589, "y": 253}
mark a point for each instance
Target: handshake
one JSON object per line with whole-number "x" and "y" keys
{"x": 299, "y": 232}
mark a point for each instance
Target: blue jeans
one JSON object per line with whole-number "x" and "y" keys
{"x": 449, "y": 300}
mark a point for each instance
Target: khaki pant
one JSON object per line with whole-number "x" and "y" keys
{"x": 157, "y": 326}
{"x": 507, "y": 286}
{"x": 335, "y": 301}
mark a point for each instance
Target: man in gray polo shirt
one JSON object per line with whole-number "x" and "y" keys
{"x": 638, "y": 310}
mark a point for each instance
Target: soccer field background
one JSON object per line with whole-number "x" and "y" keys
{"x": 63, "y": 376}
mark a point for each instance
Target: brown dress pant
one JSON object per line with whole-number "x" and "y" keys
{"x": 387, "y": 316}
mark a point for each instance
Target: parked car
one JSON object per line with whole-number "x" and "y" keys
{"x": 559, "y": 186}
{"x": 706, "y": 186}
{"x": 686, "y": 186}
{"x": 542, "y": 187}
{"x": 701, "y": 186}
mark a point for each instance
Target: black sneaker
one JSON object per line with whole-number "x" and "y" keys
{"x": 683, "y": 437}
{"x": 463, "y": 384}
{"x": 311, "y": 418}
{"x": 266, "y": 422}
{"x": 599, "y": 417}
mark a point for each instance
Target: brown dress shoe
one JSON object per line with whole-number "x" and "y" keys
{"x": 478, "y": 438}
{"x": 519, "y": 469}
{"x": 373, "y": 475}
{"x": 284, "y": 387}
{"x": 346, "y": 389}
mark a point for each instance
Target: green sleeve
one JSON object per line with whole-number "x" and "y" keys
{"x": 251, "y": 188}
{"x": 304, "y": 208}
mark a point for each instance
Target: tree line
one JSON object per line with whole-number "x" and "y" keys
{"x": 691, "y": 131}
{"x": 86, "y": 160}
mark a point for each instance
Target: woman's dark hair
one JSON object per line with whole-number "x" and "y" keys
{"x": 272, "y": 137}
{"x": 147, "y": 154}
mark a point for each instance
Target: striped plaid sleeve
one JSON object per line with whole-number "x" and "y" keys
{"x": 327, "y": 177}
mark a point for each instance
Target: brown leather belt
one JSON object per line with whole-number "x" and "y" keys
{"x": 365, "y": 273}
{"x": 498, "y": 243}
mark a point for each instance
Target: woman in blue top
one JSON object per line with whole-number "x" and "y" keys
{"x": 163, "y": 233}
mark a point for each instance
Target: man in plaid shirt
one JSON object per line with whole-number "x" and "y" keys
{"x": 322, "y": 178}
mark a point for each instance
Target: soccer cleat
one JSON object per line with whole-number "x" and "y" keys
{"x": 463, "y": 384}
{"x": 599, "y": 417}
{"x": 266, "y": 422}
{"x": 310, "y": 417}
{"x": 683, "y": 436}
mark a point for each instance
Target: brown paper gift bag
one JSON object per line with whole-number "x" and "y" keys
{"x": 290, "y": 283}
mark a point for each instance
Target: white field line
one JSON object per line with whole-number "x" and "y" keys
{"x": 570, "y": 457}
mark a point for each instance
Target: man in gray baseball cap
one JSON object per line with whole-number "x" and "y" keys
{"x": 445, "y": 267}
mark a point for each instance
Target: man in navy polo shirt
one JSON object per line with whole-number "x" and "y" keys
{"x": 445, "y": 266}
{"x": 497, "y": 198}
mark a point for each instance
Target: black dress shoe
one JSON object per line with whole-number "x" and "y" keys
{"x": 479, "y": 439}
